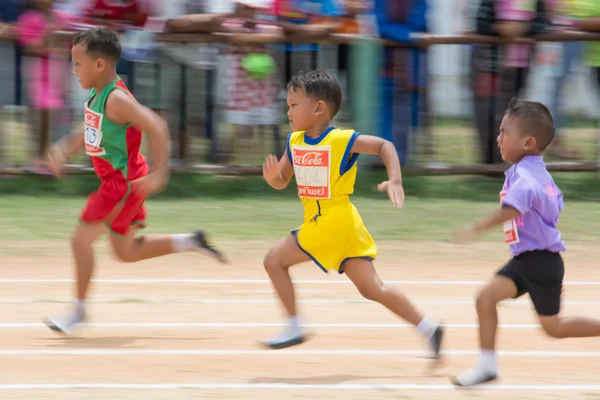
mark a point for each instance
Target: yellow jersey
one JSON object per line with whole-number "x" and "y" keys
{"x": 325, "y": 172}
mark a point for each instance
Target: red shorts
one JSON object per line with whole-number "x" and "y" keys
{"x": 116, "y": 206}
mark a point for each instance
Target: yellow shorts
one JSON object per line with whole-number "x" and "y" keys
{"x": 333, "y": 235}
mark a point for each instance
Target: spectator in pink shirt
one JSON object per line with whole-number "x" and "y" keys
{"x": 47, "y": 64}
{"x": 501, "y": 72}
{"x": 565, "y": 14}
{"x": 252, "y": 101}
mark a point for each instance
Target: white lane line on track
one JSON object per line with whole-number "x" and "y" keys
{"x": 285, "y": 353}
{"x": 175, "y": 300}
{"x": 141, "y": 281}
{"x": 285, "y": 386}
{"x": 205, "y": 325}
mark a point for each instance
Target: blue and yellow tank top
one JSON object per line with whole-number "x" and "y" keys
{"x": 324, "y": 167}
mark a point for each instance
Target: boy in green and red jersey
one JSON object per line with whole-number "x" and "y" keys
{"x": 112, "y": 136}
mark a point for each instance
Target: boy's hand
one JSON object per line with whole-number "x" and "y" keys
{"x": 395, "y": 192}
{"x": 150, "y": 184}
{"x": 271, "y": 170}
{"x": 465, "y": 235}
{"x": 56, "y": 159}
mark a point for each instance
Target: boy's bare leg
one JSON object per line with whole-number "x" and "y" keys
{"x": 83, "y": 253}
{"x": 362, "y": 273}
{"x": 498, "y": 289}
{"x": 277, "y": 262}
{"x": 128, "y": 249}
{"x": 131, "y": 249}
{"x": 570, "y": 327}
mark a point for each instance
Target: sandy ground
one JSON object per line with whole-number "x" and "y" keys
{"x": 183, "y": 327}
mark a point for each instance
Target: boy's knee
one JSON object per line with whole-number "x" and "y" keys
{"x": 125, "y": 256}
{"x": 270, "y": 261}
{"x": 484, "y": 300}
{"x": 371, "y": 291}
{"x": 552, "y": 331}
{"x": 80, "y": 241}
{"x": 551, "y": 325}
{"x": 85, "y": 235}
{"x": 123, "y": 252}
{"x": 126, "y": 248}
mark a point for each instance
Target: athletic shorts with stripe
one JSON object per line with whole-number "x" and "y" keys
{"x": 116, "y": 206}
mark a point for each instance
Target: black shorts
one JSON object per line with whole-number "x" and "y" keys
{"x": 539, "y": 273}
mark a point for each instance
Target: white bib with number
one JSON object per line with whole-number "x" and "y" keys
{"x": 312, "y": 169}
{"x": 93, "y": 133}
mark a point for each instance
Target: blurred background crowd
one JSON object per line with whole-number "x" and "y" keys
{"x": 217, "y": 70}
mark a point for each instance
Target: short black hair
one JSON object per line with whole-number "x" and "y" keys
{"x": 534, "y": 119}
{"x": 100, "y": 41}
{"x": 319, "y": 85}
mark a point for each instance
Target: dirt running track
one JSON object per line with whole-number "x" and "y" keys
{"x": 185, "y": 328}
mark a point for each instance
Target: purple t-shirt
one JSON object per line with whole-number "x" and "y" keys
{"x": 530, "y": 189}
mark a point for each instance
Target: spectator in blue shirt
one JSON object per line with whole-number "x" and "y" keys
{"x": 10, "y": 10}
{"x": 297, "y": 17}
{"x": 404, "y": 80}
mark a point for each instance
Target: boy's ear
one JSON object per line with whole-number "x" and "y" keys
{"x": 530, "y": 143}
{"x": 100, "y": 63}
{"x": 321, "y": 107}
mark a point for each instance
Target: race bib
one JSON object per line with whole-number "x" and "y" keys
{"x": 312, "y": 169}
{"x": 511, "y": 233}
{"x": 93, "y": 133}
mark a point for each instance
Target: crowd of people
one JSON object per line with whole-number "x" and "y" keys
{"x": 36, "y": 68}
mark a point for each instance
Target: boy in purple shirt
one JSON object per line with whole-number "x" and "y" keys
{"x": 530, "y": 206}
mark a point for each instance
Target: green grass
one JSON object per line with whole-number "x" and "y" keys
{"x": 31, "y": 218}
{"x": 575, "y": 186}
{"x": 454, "y": 141}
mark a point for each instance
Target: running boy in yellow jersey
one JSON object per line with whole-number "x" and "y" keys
{"x": 323, "y": 159}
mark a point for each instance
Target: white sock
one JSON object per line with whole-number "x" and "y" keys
{"x": 483, "y": 372}
{"x": 427, "y": 327}
{"x": 487, "y": 360}
{"x": 292, "y": 331}
{"x": 183, "y": 242}
{"x": 294, "y": 324}
{"x": 79, "y": 307}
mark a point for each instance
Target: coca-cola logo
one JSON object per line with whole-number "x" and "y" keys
{"x": 310, "y": 159}
{"x": 91, "y": 120}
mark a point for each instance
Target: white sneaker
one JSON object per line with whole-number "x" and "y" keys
{"x": 65, "y": 324}
{"x": 473, "y": 377}
{"x": 291, "y": 336}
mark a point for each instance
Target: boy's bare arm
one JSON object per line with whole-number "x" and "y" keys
{"x": 65, "y": 147}
{"x": 73, "y": 142}
{"x": 503, "y": 214}
{"x": 278, "y": 174}
{"x": 123, "y": 109}
{"x": 366, "y": 144}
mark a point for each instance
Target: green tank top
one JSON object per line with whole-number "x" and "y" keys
{"x": 114, "y": 148}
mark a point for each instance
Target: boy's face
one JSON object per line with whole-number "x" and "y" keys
{"x": 86, "y": 67}
{"x": 513, "y": 144}
{"x": 302, "y": 110}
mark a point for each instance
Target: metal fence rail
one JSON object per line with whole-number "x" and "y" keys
{"x": 189, "y": 96}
